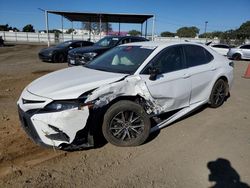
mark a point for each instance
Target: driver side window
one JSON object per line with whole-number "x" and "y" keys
{"x": 169, "y": 60}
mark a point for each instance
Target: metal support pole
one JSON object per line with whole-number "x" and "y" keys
{"x": 90, "y": 25}
{"x": 38, "y": 37}
{"x": 206, "y": 29}
{"x": 141, "y": 28}
{"x": 62, "y": 30}
{"x": 72, "y": 30}
{"x": 107, "y": 28}
{"x": 100, "y": 25}
{"x": 47, "y": 25}
{"x": 153, "y": 29}
{"x": 119, "y": 31}
{"x": 146, "y": 28}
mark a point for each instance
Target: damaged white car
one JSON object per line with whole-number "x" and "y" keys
{"x": 122, "y": 94}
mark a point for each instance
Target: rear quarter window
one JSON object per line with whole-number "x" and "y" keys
{"x": 197, "y": 55}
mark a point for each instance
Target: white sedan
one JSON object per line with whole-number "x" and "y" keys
{"x": 122, "y": 94}
{"x": 221, "y": 48}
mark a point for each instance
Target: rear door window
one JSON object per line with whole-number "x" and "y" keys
{"x": 196, "y": 55}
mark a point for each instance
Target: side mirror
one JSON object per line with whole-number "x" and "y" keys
{"x": 153, "y": 71}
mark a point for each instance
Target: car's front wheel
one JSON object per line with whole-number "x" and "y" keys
{"x": 126, "y": 124}
{"x": 218, "y": 93}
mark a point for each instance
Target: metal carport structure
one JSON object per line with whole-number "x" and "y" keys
{"x": 101, "y": 18}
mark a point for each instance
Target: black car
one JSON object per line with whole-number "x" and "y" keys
{"x": 59, "y": 52}
{"x": 81, "y": 56}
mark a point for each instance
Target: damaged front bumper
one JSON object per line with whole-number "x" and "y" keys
{"x": 51, "y": 130}
{"x": 65, "y": 129}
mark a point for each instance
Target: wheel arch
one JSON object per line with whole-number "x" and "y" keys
{"x": 224, "y": 78}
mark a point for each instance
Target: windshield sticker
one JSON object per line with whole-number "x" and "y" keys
{"x": 115, "y": 39}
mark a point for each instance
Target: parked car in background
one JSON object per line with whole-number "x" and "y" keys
{"x": 220, "y": 48}
{"x": 81, "y": 56}
{"x": 59, "y": 53}
{"x": 241, "y": 52}
{"x": 123, "y": 94}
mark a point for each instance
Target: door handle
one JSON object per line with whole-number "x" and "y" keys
{"x": 186, "y": 76}
{"x": 213, "y": 68}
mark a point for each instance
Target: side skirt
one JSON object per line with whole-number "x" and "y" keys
{"x": 177, "y": 115}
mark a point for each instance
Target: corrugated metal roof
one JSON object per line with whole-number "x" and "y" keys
{"x": 105, "y": 17}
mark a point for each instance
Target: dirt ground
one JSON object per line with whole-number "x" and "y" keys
{"x": 182, "y": 155}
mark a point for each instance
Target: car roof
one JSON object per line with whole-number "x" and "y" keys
{"x": 220, "y": 44}
{"x": 161, "y": 44}
{"x": 121, "y": 37}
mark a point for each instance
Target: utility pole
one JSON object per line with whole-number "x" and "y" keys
{"x": 206, "y": 29}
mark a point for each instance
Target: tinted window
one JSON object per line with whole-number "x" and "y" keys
{"x": 196, "y": 55}
{"x": 137, "y": 39}
{"x": 125, "y": 41}
{"x": 64, "y": 44}
{"x": 169, "y": 60}
{"x": 76, "y": 45}
{"x": 86, "y": 43}
{"x": 220, "y": 46}
{"x": 107, "y": 41}
{"x": 245, "y": 47}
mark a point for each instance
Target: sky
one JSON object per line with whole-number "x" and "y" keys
{"x": 169, "y": 15}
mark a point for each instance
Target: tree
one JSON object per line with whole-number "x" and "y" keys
{"x": 69, "y": 31}
{"x": 187, "y": 32}
{"x": 243, "y": 31}
{"x": 134, "y": 32}
{"x": 5, "y": 27}
{"x": 95, "y": 27}
{"x": 28, "y": 28}
{"x": 167, "y": 34}
{"x": 211, "y": 35}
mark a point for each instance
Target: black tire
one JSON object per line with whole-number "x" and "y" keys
{"x": 126, "y": 124}
{"x": 59, "y": 58}
{"x": 218, "y": 93}
{"x": 237, "y": 56}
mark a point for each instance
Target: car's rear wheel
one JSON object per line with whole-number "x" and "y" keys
{"x": 218, "y": 93}
{"x": 59, "y": 58}
{"x": 126, "y": 124}
{"x": 237, "y": 56}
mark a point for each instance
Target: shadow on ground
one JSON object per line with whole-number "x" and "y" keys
{"x": 224, "y": 175}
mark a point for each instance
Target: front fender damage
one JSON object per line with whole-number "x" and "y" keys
{"x": 129, "y": 86}
{"x": 67, "y": 124}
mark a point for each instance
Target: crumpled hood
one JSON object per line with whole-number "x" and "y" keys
{"x": 71, "y": 82}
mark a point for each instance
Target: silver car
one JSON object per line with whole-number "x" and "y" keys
{"x": 241, "y": 52}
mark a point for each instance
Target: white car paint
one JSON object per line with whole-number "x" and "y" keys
{"x": 187, "y": 89}
{"x": 243, "y": 50}
{"x": 222, "y": 51}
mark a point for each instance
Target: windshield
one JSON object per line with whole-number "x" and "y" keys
{"x": 107, "y": 42}
{"x": 121, "y": 59}
{"x": 64, "y": 44}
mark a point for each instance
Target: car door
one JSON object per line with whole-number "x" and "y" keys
{"x": 201, "y": 70}
{"x": 172, "y": 86}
